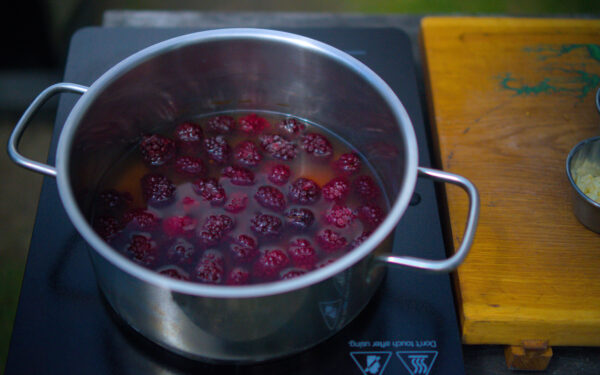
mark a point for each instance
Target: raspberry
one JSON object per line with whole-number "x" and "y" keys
{"x": 270, "y": 197}
{"x": 238, "y": 276}
{"x": 157, "y": 190}
{"x": 244, "y": 248}
{"x": 238, "y": 175}
{"x": 252, "y": 124}
{"x": 210, "y": 268}
{"x": 291, "y": 126}
{"x": 266, "y": 225}
{"x": 142, "y": 249}
{"x": 217, "y": 149}
{"x": 270, "y": 263}
{"x": 302, "y": 254}
{"x": 330, "y": 241}
{"x": 237, "y": 203}
{"x": 299, "y": 218}
{"x": 140, "y": 219}
{"x": 247, "y": 153}
{"x": 181, "y": 252}
{"x": 336, "y": 189}
{"x": 304, "y": 191}
{"x": 221, "y": 124}
{"x": 292, "y": 274}
{"x": 279, "y": 174}
{"x": 112, "y": 199}
{"x": 175, "y": 273}
{"x": 189, "y": 166}
{"x": 340, "y": 216}
{"x": 189, "y": 133}
{"x": 278, "y": 147}
{"x": 214, "y": 229}
{"x": 107, "y": 227}
{"x": 156, "y": 149}
{"x": 179, "y": 226}
{"x": 348, "y": 163}
{"x": 360, "y": 239}
{"x": 371, "y": 214}
{"x": 209, "y": 189}
{"x": 366, "y": 188}
{"x": 316, "y": 145}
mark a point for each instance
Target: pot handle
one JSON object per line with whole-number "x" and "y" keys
{"x": 15, "y": 136}
{"x": 455, "y": 260}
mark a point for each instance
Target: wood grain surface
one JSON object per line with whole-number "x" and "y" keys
{"x": 508, "y": 99}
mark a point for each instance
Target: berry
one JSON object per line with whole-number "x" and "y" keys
{"x": 112, "y": 199}
{"x": 157, "y": 190}
{"x": 330, "y": 241}
{"x": 247, "y": 153}
{"x": 210, "y": 268}
{"x": 238, "y": 175}
{"x": 217, "y": 149}
{"x": 237, "y": 203}
{"x": 304, "y": 191}
{"x": 266, "y": 225}
{"x": 189, "y": 133}
{"x": 210, "y": 190}
{"x": 189, "y": 166}
{"x": 252, "y": 124}
{"x": 366, "y": 188}
{"x": 140, "y": 219}
{"x": 244, "y": 248}
{"x": 340, "y": 216}
{"x": 238, "y": 276}
{"x": 291, "y": 126}
{"x": 181, "y": 251}
{"x": 302, "y": 254}
{"x": 316, "y": 145}
{"x": 360, "y": 239}
{"x": 107, "y": 227}
{"x": 371, "y": 214}
{"x": 175, "y": 273}
{"x": 221, "y": 124}
{"x": 299, "y": 218}
{"x": 214, "y": 229}
{"x": 179, "y": 226}
{"x": 279, "y": 174}
{"x": 270, "y": 263}
{"x": 156, "y": 149}
{"x": 278, "y": 147}
{"x": 270, "y": 197}
{"x": 336, "y": 189}
{"x": 142, "y": 249}
{"x": 292, "y": 274}
{"x": 348, "y": 163}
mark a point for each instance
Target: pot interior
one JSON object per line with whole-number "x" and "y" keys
{"x": 201, "y": 77}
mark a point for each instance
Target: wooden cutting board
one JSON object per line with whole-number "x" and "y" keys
{"x": 508, "y": 99}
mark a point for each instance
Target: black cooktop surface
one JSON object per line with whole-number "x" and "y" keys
{"x": 63, "y": 324}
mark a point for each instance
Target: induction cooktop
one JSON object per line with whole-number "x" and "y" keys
{"x": 63, "y": 324}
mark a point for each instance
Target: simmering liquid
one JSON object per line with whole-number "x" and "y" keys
{"x": 238, "y": 198}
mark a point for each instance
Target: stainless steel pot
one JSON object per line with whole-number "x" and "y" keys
{"x": 249, "y": 69}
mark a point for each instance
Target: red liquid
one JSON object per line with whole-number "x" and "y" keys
{"x": 201, "y": 211}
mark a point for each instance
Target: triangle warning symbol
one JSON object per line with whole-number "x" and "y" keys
{"x": 371, "y": 363}
{"x": 418, "y": 362}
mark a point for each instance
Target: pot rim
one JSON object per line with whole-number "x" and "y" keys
{"x": 254, "y": 290}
